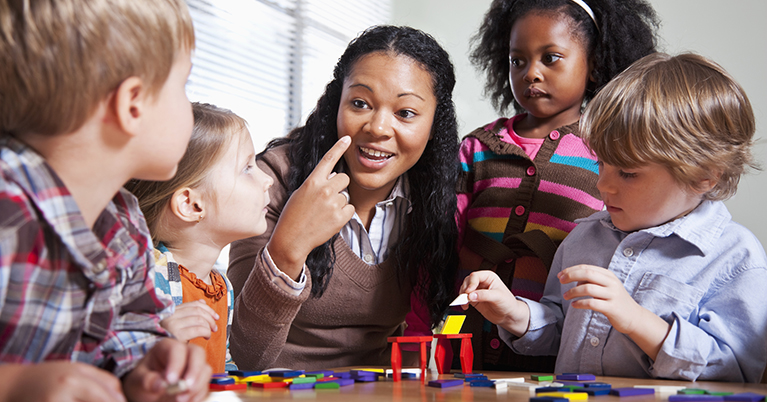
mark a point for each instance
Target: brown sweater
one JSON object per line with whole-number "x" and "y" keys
{"x": 362, "y": 305}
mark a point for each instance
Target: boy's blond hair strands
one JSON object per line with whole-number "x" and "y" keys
{"x": 60, "y": 58}
{"x": 684, "y": 112}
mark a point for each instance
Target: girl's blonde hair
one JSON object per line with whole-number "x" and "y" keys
{"x": 684, "y": 112}
{"x": 60, "y": 58}
{"x": 214, "y": 129}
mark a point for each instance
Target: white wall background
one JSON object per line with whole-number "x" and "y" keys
{"x": 732, "y": 33}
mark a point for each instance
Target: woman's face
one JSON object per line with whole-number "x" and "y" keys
{"x": 387, "y": 108}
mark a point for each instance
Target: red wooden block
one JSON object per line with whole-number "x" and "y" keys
{"x": 276, "y": 384}
{"x": 227, "y": 387}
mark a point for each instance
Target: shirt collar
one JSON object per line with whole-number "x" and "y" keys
{"x": 401, "y": 190}
{"x": 701, "y": 227}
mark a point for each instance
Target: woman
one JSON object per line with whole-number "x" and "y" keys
{"x": 329, "y": 282}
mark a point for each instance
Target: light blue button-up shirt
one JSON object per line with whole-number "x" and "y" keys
{"x": 703, "y": 273}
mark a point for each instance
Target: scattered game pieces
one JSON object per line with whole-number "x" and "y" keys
{"x": 571, "y": 396}
{"x": 621, "y": 392}
{"x": 445, "y": 383}
{"x": 227, "y": 387}
{"x": 462, "y": 299}
{"x": 744, "y": 397}
{"x": 576, "y": 377}
{"x": 542, "y": 377}
{"x": 696, "y": 398}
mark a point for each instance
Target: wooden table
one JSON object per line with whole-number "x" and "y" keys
{"x": 412, "y": 390}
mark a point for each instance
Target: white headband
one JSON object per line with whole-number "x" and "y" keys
{"x": 587, "y": 9}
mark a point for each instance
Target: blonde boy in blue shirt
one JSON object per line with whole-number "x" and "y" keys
{"x": 662, "y": 284}
{"x": 91, "y": 95}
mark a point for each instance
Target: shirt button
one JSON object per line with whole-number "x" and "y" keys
{"x": 368, "y": 258}
{"x": 519, "y": 210}
{"x": 495, "y": 344}
{"x": 594, "y": 341}
{"x": 628, "y": 251}
{"x": 531, "y": 170}
{"x": 390, "y": 203}
{"x": 554, "y": 135}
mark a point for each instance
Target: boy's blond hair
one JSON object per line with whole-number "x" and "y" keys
{"x": 684, "y": 112}
{"x": 214, "y": 129}
{"x": 60, "y": 58}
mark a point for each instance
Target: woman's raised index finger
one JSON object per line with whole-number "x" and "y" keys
{"x": 334, "y": 154}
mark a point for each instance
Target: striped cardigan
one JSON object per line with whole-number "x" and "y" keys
{"x": 168, "y": 281}
{"x": 512, "y": 214}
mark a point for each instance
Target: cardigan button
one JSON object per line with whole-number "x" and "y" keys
{"x": 531, "y": 170}
{"x": 519, "y": 210}
{"x": 495, "y": 343}
{"x": 554, "y": 135}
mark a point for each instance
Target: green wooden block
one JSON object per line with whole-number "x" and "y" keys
{"x": 542, "y": 377}
{"x": 303, "y": 380}
{"x": 691, "y": 391}
{"x": 327, "y": 385}
{"x": 718, "y": 393}
{"x": 316, "y": 376}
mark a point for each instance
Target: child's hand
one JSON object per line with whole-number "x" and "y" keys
{"x": 59, "y": 381}
{"x": 490, "y": 296}
{"x": 191, "y": 320}
{"x": 166, "y": 363}
{"x": 314, "y": 213}
{"x": 604, "y": 293}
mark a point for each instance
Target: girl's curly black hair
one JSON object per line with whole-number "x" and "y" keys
{"x": 426, "y": 255}
{"x": 626, "y": 33}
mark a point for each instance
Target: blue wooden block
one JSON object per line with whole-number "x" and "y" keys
{"x": 482, "y": 383}
{"x": 541, "y": 390}
{"x": 445, "y": 383}
{"x": 365, "y": 378}
{"x": 548, "y": 399}
{"x": 342, "y": 374}
{"x": 744, "y": 397}
{"x": 696, "y": 397}
{"x": 243, "y": 373}
{"x": 597, "y": 385}
{"x": 572, "y": 383}
{"x": 222, "y": 381}
{"x": 344, "y": 381}
{"x": 481, "y": 378}
{"x": 220, "y": 375}
{"x": 286, "y": 373}
{"x": 304, "y": 385}
{"x": 325, "y": 373}
{"x": 468, "y": 375}
{"x": 593, "y": 391}
{"x": 365, "y": 373}
{"x": 631, "y": 391}
{"x": 576, "y": 377}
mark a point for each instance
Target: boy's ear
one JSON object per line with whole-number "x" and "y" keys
{"x": 187, "y": 204}
{"x": 129, "y": 100}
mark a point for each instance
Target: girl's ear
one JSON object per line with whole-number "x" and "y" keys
{"x": 187, "y": 204}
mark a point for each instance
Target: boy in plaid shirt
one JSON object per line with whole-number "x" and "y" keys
{"x": 91, "y": 95}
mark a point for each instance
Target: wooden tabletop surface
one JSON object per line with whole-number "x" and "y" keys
{"x": 412, "y": 390}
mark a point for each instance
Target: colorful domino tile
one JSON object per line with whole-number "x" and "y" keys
{"x": 222, "y": 381}
{"x": 572, "y": 396}
{"x": 542, "y": 377}
{"x": 286, "y": 373}
{"x": 301, "y": 385}
{"x": 548, "y": 399}
{"x": 576, "y": 377}
{"x": 696, "y": 398}
{"x": 266, "y": 385}
{"x": 744, "y": 397}
{"x": 445, "y": 383}
{"x": 621, "y": 392}
{"x": 691, "y": 391}
{"x": 327, "y": 385}
{"x": 593, "y": 391}
{"x": 243, "y": 373}
{"x": 227, "y": 387}
{"x": 482, "y": 383}
{"x": 453, "y": 324}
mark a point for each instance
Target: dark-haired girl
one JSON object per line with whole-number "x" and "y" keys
{"x": 330, "y": 281}
{"x": 525, "y": 180}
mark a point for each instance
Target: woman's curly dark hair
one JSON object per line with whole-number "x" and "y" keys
{"x": 426, "y": 255}
{"x": 627, "y": 32}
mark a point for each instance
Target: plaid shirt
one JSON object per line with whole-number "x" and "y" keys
{"x": 68, "y": 292}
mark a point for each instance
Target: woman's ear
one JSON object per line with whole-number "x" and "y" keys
{"x": 187, "y": 204}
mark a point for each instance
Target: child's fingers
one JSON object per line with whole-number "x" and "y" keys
{"x": 585, "y": 273}
{"x": 197, "y": 372}
{"x": 334, "y": 154}
{"x": 197, "y": 307}
{"x": 587, "y": 290}
{"x": 478, "y": 280}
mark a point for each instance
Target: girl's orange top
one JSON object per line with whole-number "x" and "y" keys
{"x": 214, "y": 295}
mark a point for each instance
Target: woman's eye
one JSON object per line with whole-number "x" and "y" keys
{"x": 406, "y": 114}
{"x": 515, "y": 61}
{"x": 359, "y": 103}
{"x": 550, "y": 58}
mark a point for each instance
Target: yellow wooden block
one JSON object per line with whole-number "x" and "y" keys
{"x": 573, "y": 396}
{"x": 374, "y": 370}
{"x": 256, "y": 378}
{"x": 453, "y": 324}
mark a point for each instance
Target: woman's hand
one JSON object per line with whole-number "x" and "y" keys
{"x": 314, "y": 213}
{"x": 58, "y": 381}
{"x": 191, "y": 320}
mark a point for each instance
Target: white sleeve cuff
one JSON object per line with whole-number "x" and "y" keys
{"x": 282, "y": 280}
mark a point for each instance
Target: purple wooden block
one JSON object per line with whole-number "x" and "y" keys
{"x": 286, "y": 373}
{"x": 344, "y": 381}
{"x": 365, "y": 378}
{"x": 598, "y": 385}
{"x": 631, "y": 391}
{"x": 572, "y": 383}
{"x": 576, "y": 377}
{"x": 445, "y": 383}
{"x": 541, "y": 390}
{"x": 548, "y": 399}
{"x": 243, "y": 373}
{"x": 222, "y": 381}
{"x": 305, "y": 385}
{"x": 469, "y": 375}
{"x": 593, "y": 391}
{"x": 745, "y": 397}
{"x": 482, "y": 383}
{"x": 342, "y": 374}
{"x": 695, "y": 397}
